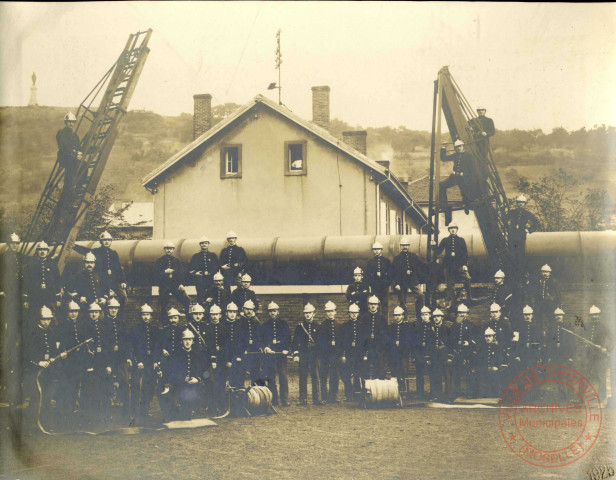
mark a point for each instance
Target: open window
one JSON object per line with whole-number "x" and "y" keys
{"x": 231, "y": 161}
{"x": 295, "y": 158}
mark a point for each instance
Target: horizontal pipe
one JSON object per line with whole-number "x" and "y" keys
{"x": 574, "y": 256}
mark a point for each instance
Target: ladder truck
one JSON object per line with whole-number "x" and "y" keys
{"x": 484, "y": 193}
{"x": 61, "y": 210}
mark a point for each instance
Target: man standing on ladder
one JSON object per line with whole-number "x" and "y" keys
{"x": 68, "y": 150}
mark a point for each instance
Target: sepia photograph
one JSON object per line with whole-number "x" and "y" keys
{"x": 312, "y": 240}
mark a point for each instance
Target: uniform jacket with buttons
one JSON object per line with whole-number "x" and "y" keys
{"x": 328, "y": 333}
{"x": 108, "y": 266}
{"x": 241, "y": 295}
{"x": 234, "y": 256}
{"x": 406, "y": 269}
{"x": 206, "y": 264}
{"x": 164, "y": 280}
{"x": 217, "y": 338}
{"x": 276, "y": 335}
{"x": 456, "y": 253}
{"x": 353, "y": 338}
{"x": 145, "y": 343}
{"x": 86, "y": 284}
{"x": 183, "y": 364}
{"x": 42, "y": 271}
{"x": 305, "y": 338}
{"x": 378, "y": 273}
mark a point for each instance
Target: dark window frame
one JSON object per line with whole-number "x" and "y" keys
{"x": 223, "y": 160}
{"x": 287, "y": 164}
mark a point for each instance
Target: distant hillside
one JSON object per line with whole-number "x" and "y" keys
{"x": 28, "y": 151}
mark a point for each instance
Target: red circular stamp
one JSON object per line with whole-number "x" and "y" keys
{"x": 550, "y": 416}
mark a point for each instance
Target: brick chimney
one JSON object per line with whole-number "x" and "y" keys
{"x": 356, "y": 139}
{"x": 202, "y": 118}
{"x": 320, "y": 106}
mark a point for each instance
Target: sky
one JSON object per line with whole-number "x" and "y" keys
{"x": 532, "y": 65}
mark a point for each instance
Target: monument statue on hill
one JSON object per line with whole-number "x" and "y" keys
{"x": 33, "y": 100}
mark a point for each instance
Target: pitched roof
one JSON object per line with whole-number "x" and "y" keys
{"x": 394, "y": 188}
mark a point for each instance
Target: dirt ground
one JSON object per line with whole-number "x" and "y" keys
{"x": 322, "y": 442}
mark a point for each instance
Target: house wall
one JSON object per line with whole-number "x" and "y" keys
{"x": 195, "y": 200}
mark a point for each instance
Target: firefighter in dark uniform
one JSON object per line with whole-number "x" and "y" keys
{"x": 203, "y": 266}
{"x": 198, "y": 325}
{"x": 170, "y": 342}
{"x": 42, "y": 281}
{"x": 39, "y": 353}
{"x": 491, "y": 364}
{"x": 406, "y": 270}
{"x": 420, "y": 349}
{"x": 526, "y": 347}
{"x": 11, "y": 290}
{"x": 439, "y": 353}
{"x": 243, "y": 293}
{"x": 217, "y": 338}
{"x": 463, "y": 341}
{"x": 169, "y": 277}
{"x": 353, "y": 352}
{"x": 276, "y": 341}
{"x": 373, "y": 324}
{"x": 398, "y": 346}
{"x": 304, "y": 348}
{"x": 503, "y": 333}
{"x": 520, "y": 223}
{"x": 559, "y": 348}
{"x": 68, "y": 150}
{"x": 218, "y": 294}
{"x": 71, "y": 370}
{"x": 119, "y": 353}
{"x": 86, "y": 286}
{"x": 484, "y": 126}
{"x": 98, "y": 382}
{"x": 358, "y": 291}
{"x": 145, "y": 342}
{"x": 462, "y": 176}
{"x": 547, "y": 297}
{"x": 186, "y": 371}
{"x": 329, "y": 342}
{"x": 237, "y": 347}
{"x": 109, "y": 268}
{"x": 454, "y": 261}
{"x": 501, "y": 294}
{"x": 596, "y": 357}
{"x": 252, "y": 334}
{"x": 378, "y": 276}
{"x": 233, "y": 260}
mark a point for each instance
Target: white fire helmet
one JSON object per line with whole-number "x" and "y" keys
{"x": 232, "y": 307}
{"x": 353, "y": 308}
{"x": 14, "y": 238}
{"x": 145, "y": 308}
{"x": 89, "y": 257}
{"x": 273, "y": 306}
{"x": 215, "y": 309}
{"x": 489, "y": 331}
{"x": 42, "y": 245}
{"x": 73, "y": 306}
{"x": 437, "y": 313}
{"x": 495, "y": 307}
{"x": 105, "y": 236}
{"x": 398, "y": 311}
{"x": 329, "y": 306}
{"x": 425, "y": 309}
{"x": 308, "y": 308}
{"x": 527, "y": 310}
{"x": 521, "y": 199}
{"x": 173, "y": 312}
{"x": 546, "y": 268}
{"x": 594, "y": 310}
{"x": 204, "y": 240}
{"x": 70, "y": 117}
{"x": 231, "y": 234}
{"x": 358, "y": 271}
{"x": 249, "y": 305}
{"x": 218, "y": 276}
{"x": 499, "y": 274}
{"x": 405, "y": 241}
{"x": 458, "y": 142}
{"x": 168, "y": 244}
{"x": 559, "y": 311}
{"x": 452, "y": 225}
{"x": 46, "y": 312}
{"x": 462, "y": 308}
{"x": 95, "y": 307}
{"x": 374, "y": 300}
{"x": 377, "y": 245}
{"x": 197, "y": 308}
{"x": 246, "y": 278}
{"x": 188, "y": 334}
{"x": 113, "y": 303}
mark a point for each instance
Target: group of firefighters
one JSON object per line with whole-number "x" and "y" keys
{"x": 74, "y": 349}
